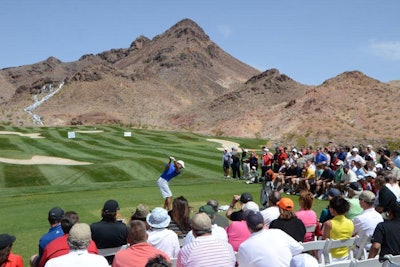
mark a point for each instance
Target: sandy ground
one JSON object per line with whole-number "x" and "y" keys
{"x": 224, "y": 143}
{"x": 31, "y": 135}
{"x": 44, "y": 160}
{"x": 93, "y": 131}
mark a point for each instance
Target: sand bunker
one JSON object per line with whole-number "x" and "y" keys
{"x": 93, "y": 131}
{"x": 224, "y": 143}
{"x": 43, "y": 160}
{"x": 30, "y": 135}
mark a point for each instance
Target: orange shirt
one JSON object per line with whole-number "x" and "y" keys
{"x": 13, "y": 260}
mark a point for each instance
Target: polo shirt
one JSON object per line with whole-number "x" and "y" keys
{"x": 387, "y": 234}
{"x": 53, "y": 233}
{"x": 206, "y": 251}
{"x": 365, "y": 224}
{"x": 237, "y": 233}
{"x": 137, "y": 255}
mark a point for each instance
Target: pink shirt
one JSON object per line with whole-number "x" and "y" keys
{"x": 137, "y": 255}
{"x": 308, "y": 217}
{"x": 237, "y": 233}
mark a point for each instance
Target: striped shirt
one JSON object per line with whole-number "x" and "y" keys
{"x": 206, "y": 251}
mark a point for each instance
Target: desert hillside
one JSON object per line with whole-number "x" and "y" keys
{"x": 182, "y": 80}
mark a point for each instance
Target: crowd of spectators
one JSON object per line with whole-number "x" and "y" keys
{"x": 360, "y": 186}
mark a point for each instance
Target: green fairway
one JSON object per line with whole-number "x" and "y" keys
{"x": 123, "y": 168}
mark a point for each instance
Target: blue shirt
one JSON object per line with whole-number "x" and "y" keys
{"x": 53, "y": 233}
{"x": 170, "y": 173}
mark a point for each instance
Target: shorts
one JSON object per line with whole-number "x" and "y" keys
{"x": 164, "y": 187}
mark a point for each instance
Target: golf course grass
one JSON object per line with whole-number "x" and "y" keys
{"x": 100, "y": 163}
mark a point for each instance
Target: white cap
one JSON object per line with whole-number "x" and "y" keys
{"x": 354, "y": 149}
{"x": 180, "y": 162}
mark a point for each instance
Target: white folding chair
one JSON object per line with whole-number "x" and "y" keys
{"x": 360, "y": 249}
{"x": 391, "y": 261}
{"x": 369, "y": 263}
{"x": 345, "y": 263}
{"x": 349, "y": 243}
{"x": 314, "y": 247}
{"x": 311, "y": 229}
{"x": 110, "y": 251}
{"x": 173, "y": 262}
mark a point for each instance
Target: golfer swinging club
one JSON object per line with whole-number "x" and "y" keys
{"x": 172, "y": 169}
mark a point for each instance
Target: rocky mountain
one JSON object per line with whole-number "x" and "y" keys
{"x": 182, "y": 80}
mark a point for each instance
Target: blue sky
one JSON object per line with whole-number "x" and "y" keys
{"x": 310, "y": 41}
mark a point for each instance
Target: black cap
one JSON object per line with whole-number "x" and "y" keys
{"x": 111, "y": 206}
{"x": 55, "y": 214}
{"x": 355, "y": 186}
{"x": 6, "y": 240}
{"x": 246, "y": 197}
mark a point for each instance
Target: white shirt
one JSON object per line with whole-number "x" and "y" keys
{"x": 268, "y": 248}
{"x": 206, "y": 251}
{"x": 270, "y": 214}
{"x": 216, "y": 231}
{"x": 349, "y": 177}
{"x": 365, "y": 223}
{"x": 78, "y": 258}
{"x": 165, "y": 240}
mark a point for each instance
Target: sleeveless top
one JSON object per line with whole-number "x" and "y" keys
{"x": 342, "y": 228}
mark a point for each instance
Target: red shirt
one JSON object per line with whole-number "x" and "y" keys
{"x": 137, "y": 255}
{"x": 13, "y": 260}
{"x": 59, "y": 247}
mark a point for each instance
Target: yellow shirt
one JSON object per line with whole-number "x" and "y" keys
{"x": 310, "y": 173}
{"x": 342, "y": 228}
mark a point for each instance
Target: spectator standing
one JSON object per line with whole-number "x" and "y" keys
{"x": 54, "y": 218}
{"x": 139, "y": 251}
{"x": 78, "y": 241}
{"x": 159, "y": 235}
{"x": 266, "y": 161}
{"x": 277, "y": 247}
{"x": 109, "y": 232}
{"x": 7, "y": 258}
{"x": 172, "y": 169}
{"x": 235, "y": 163}
{"x": 226, "y": 162}
{"x": 205, "y": 250}
{"x": 253, "y": 160}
